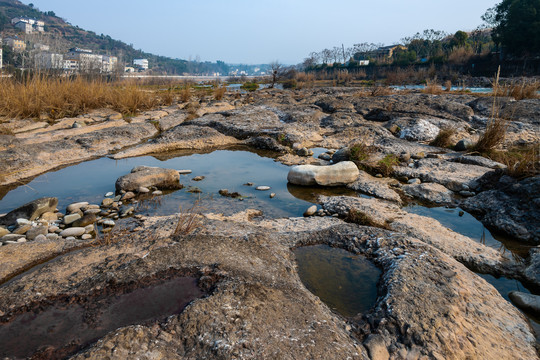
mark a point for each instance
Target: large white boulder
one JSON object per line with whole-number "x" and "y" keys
{"x": 342, "y": 173}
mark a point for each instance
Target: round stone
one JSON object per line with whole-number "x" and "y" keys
{"x": 74, "y": 231}
{"x": 310, "y": 211}
{"x": 262, "y": 188}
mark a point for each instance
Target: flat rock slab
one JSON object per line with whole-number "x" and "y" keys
{"x": 342, "y": 173}
{"x": 432, "y": 192}
{"x": 374, "y": 186}
{"x": 146, "y": 176}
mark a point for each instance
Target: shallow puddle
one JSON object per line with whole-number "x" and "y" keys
{"x": 345, "y": 282}
{"x": 468, "y": 225}
{"x": 505, "y": 286}
{"x": 223, "y": 169}
{"x": 61, "y": 330}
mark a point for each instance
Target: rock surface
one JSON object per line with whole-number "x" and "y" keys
{"x": 145, "y": 176}
{"x": 342, "y": 173}
{"x": 30, "y": 211}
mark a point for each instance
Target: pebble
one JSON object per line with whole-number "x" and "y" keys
{"x": 108, "y": 222}
{"x": 68, "y": 219}
{"x": 86, "y": 237}
{"x": 414, "y": 181}
{"x": 198, "y": 178}
{"x": 40, "y": 237}
{"x": 127, "y": 211}
{"x": 11, "y": 237}
{"x": 76, "y": 206}
{"x": 117, "y": 198}
{"x": 127, "y": 196}
{"x": 21, "y": 240}
{"x": 52, "y": 237}
{"x": 88, "y": 229}
{"x": 92, "y": 211}
{"x": 272, "y": 195}
{"x": 22, "y": 229}
{"x": 184, "y": 172}
{"x": 310, "y": 211}
{"x": 74, "y": 231}
{"x": 107, "y": 202}
{"x": 248, "y": 184}
{"x": 262, "y": 188}
{"x": 466, "y": 193}
{"x": 49, "y": 216}
{"x": 92, "y": 207}
{"x": 21, "y": 222}
{"x": 157, "y": 193}
{"x": 143, "y": 190}
{"x": 70, "y": 238}
{"x": 110, "y": 193}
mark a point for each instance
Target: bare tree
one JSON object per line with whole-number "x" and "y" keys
{"x": 326, "y": 55}
{"x": 275, "y": 71}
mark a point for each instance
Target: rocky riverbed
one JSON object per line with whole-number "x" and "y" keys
{"x": 248, "y": 300}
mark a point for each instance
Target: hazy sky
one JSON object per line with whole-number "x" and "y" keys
{"x": 261, "y": 31}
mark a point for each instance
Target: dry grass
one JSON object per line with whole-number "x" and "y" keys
{"x": 381, "y": 91}
{"x": 518, "y": 91}
{"x": 64, "y": 97}
{"x": 188, "y": 220}
{"x": 219, "y": 92}
{"x": 521, "y": 161}
{"x": 460, "y": 55}
{"x": 432, "y": 87}
{"x": 444, "y": 138}
{"x": 360, "y": 151}
{"x": 385, "y": 166}
{"x": 185, "y": 94}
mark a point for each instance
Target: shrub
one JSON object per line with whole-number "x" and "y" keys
{"x": 386, "y": 165}
{"x": 360, "y": 151}
{"x": 250, "y": 86}
{"x": 444, "y": 138}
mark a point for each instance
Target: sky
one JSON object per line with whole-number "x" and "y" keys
{"x": 262, "y": 31}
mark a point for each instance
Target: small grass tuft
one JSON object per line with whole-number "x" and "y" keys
{"x": 360, "y": 151}
{"x": 521, "y": 161}
{"x": 444, "y": 138}
{"x": 386, "y": 165}
{"x": 188, "y": 220}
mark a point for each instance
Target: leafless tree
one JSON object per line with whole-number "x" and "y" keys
{"x": 275, "y": 71}
{"x": 326, "y": 55}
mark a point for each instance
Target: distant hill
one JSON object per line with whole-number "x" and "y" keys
{"x": 60, "y": 35}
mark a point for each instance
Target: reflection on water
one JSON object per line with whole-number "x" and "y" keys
{"x": 505, "y": 286}
{"x": 468, "y": 225}
{"x": 222, "y": 169}
{"x": 345, "y": 282}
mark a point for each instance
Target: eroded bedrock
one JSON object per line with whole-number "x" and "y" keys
{"x": 428, "y": 304}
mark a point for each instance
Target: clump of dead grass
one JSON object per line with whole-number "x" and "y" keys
{"x": 520, "y": 161}
{"x": 219, "y": 92}
{"x": 432, "y": 87}
{"x": 188, "y": 220}
{"x": 444, "y": 138}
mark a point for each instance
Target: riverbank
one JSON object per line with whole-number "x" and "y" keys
{"x": 252, "y": 302}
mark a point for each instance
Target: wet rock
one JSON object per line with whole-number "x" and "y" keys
{"x": 107, "y": 202}
{"x": 342, "y": 154}
{"x": 463, "y": 145}
{"x": 149, "y": 176}
{"x": 272, "y": 195}
{"x": 32, "y": 233}
{"x": 143, "y": 190}
{"x": 198, "y": 178}
{"x": 310, "y": 211}
{"x": 226, "y": 193}
{"x": 527, "y": 302}
{"x": 262, "y": 188}
{"x": 512, "y": 207}
{"x": 325, "y": 156}
{"x": 73, "y": 231}
{"x": 30, "y": 211}
{"x": 128, "y": 196}
{"x": 85, "y": 220}
{"x": 76, "y": 206}
{"x": 434, "y": 193}
{"x": 184, "y": 172}
{"x": 157, "y": 193}
{"x": 110, "y": 193}
{"x": 342, "y": 173}
{"x": 69, "y": 219}
{"x": 304, "y": 152}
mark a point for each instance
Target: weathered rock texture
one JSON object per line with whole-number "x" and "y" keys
{"x": 342, "y": 173}
{"x": 147, "y": 176}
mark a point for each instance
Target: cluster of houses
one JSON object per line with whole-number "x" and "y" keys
{"x": 28, "y": 25}
{"x": 74, "y": 61}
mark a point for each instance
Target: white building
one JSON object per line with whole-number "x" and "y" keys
{"x": 71, "y": 65}
{"x": 49, "y": 61}
{"x": 86, "y": 60}
{"x": 141, "y": 63}
{"x": 41, "y": 47}
{"x": 109, "y": 64}
{"x": 24, "y": 27}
